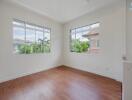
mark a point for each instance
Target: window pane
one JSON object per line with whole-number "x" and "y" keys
{"x": 83, "y": 39}
{"x": 30, "y": 36}
{"x": 19, "y": 33}
{"x": 86, "y": 28}
{"x": 30, "y": 41}
{"x": 46, "y": 36}
{"x": 46, "y": 45}
{"x": 73, "y": 36}
{"x": 79, "y": 30}
{"x": 39, "y": 36}
{"x": 78, "y": 36}
{"x": 18, "y": 39}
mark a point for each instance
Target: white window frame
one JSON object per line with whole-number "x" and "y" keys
{"x": 25, "y": 28}
{"x": 90, "y": 26}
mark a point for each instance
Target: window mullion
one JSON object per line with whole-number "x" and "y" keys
{"x": 43, "y": 38}
{"x": 25, "y": 34}
{"x": 75, "y": 33}
{"x": 35, "y": 40}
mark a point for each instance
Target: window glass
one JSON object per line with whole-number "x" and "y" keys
{"x": 39, "y": 36}
{"x": 78, "y": 36}
{"x": 19, "y": 33}
{"x": 18, "y": 38}
{"x": 47, "y": 36}
{"x": 30, "y": 36}
{"x": 73, "y": 36}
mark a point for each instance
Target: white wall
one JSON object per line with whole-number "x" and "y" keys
{"x": 129, "y": 31}
{"x": 12, "y": 65}
{"x": 112, "y": 42}
{"x": 127, "y": 79}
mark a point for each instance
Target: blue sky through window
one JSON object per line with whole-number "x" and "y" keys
{"x": 19, "y": 33}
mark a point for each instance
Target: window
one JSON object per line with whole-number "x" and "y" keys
{"x": 30, "y": 38}
{"x": 85, "y": 39}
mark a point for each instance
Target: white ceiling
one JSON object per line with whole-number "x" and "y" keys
{"x": 63, "y": 10}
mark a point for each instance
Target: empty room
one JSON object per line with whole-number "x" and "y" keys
{"x": 65, "y": 50}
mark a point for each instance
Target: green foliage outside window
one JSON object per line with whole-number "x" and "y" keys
{"x": 79, "y": 46}
{"x": 42, "y": 47}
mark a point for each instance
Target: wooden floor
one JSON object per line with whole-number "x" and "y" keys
{"x": 61, "y": 83}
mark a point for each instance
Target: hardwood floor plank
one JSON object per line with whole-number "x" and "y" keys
{"x": 61, "y": 83}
